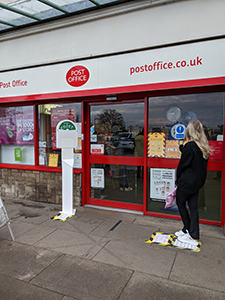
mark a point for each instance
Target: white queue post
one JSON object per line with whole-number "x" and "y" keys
{"x": 66, "y": 139}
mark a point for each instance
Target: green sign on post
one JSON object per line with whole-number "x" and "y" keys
{"x": 18, "y": 154}
{"x": 66, "y": 125}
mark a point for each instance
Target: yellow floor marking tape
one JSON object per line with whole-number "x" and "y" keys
{"x": 59, "y": 218}
{"x": 170, "y": 240}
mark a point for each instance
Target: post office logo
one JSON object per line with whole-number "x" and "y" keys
{"x": 77, "y": 76}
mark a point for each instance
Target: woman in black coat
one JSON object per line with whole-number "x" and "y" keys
{"x": 191, "y": 176}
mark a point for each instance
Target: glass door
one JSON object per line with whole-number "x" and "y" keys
{"x": 116, "y": 154}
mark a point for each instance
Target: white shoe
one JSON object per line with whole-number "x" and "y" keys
{"x": 187, "y": 239}
{"x": 180, "y": 233}
{"x": 128, "y": 189}
{"x": 121, "y": 189}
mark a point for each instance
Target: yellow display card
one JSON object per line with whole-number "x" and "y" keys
{"x": 172, "y": 149}
{"x": 53, "y": 160}
{"x": 156, "y": 144}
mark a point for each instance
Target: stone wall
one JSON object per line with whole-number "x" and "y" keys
{"x": 36, "y": 186}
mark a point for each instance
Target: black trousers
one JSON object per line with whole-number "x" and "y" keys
{"x": 191, "y": 221}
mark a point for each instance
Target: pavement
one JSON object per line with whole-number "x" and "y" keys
{"x": 102, "y": 254}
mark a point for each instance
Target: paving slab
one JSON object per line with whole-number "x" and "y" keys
{"x": 149, "y": 221}
{"x": 103, "y": 229}
{"x": 129, "y": 232}
{"x": 17, "y": 204}
{"x": 72, "y": 243}
{"x": 13, "y": 289}
{"x": 32, "y": 215}
{"x": 143, "y": 286}
{"x": 10, "y": 206}
{"x": 75, "y": 224}
{"x": 158, "y": 224}
{"x": 140, "y": 257}
{"x": 211, "y": 231}
{"x": 205, "y": 268}
{"x": 23, "y": 262}
{"x": 107, "y": 214}
{"x": 18, "y": 229}
{"x": 118, "y": 229}
{"x": 84, "y": 279}
{"x": 35, "y": 234}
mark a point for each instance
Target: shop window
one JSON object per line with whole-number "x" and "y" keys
{"x": 49, "y": 115}
{"x": 17, "y": 135}
{"x": 169, "y": 116}
{"x": 117, "y": 129}
{"x": 117, "y": 183}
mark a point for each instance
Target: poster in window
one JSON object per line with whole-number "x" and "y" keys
{"x": 156, "y": 144}
{"x": 162, "y": 181}
{"x": 172, "y": 149}
{"x": 97, "y": 149}
{"x": 77, "y": 160}
{"x": 25, "y": 125}
{"x": 8, "y": 126}
{"x": 53, "y": 160}
{"x": 97, "y": 178}
{"x": 58, "y": 114}
{"x": 17, "y": 125}
{"x": 79, "y": 136}
{"x": 217, "y": 150}
{"x": 18, "y": 154}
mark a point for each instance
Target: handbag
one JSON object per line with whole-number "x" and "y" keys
{"x": 171, "y": 198}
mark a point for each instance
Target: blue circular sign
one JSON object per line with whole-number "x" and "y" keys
{"x": 180, "y": 129}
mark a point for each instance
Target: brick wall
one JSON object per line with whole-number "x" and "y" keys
{"x": 36, "y": 186}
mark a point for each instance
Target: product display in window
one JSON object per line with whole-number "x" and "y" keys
{"x": 17, "y": 135}
{"x": 17, "y": 125}
{"x": 49, "y": 116}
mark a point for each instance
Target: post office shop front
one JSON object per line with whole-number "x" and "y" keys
{"x": 131, "y": 112}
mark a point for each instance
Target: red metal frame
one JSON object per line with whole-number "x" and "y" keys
{"x": 108, "y": 160}
{"x": 125, "y": 94}
{"x": 116, "y": 204}
{"x": 36, "y": 166}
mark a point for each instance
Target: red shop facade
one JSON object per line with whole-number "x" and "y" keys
{"x": 131, "y": 111}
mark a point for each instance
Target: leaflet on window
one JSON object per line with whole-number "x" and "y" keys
{"x": 97, "y": 178}
{"x": 162, "y": 181}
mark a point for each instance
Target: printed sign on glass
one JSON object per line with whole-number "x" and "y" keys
{"x": 97, "y": 149}
{"x": 97, "y": 178}
{"x": 172, "y": 149}
{"x": 156, "y": 144}
{"x": 162, "y": 181}
{"x": 17, "y": 125}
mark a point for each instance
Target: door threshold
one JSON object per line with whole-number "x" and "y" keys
{"x": 129, "y": 211}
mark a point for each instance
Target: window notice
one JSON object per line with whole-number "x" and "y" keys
{"x": 162, "y": 181}
{"x": 97, "y": 178}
